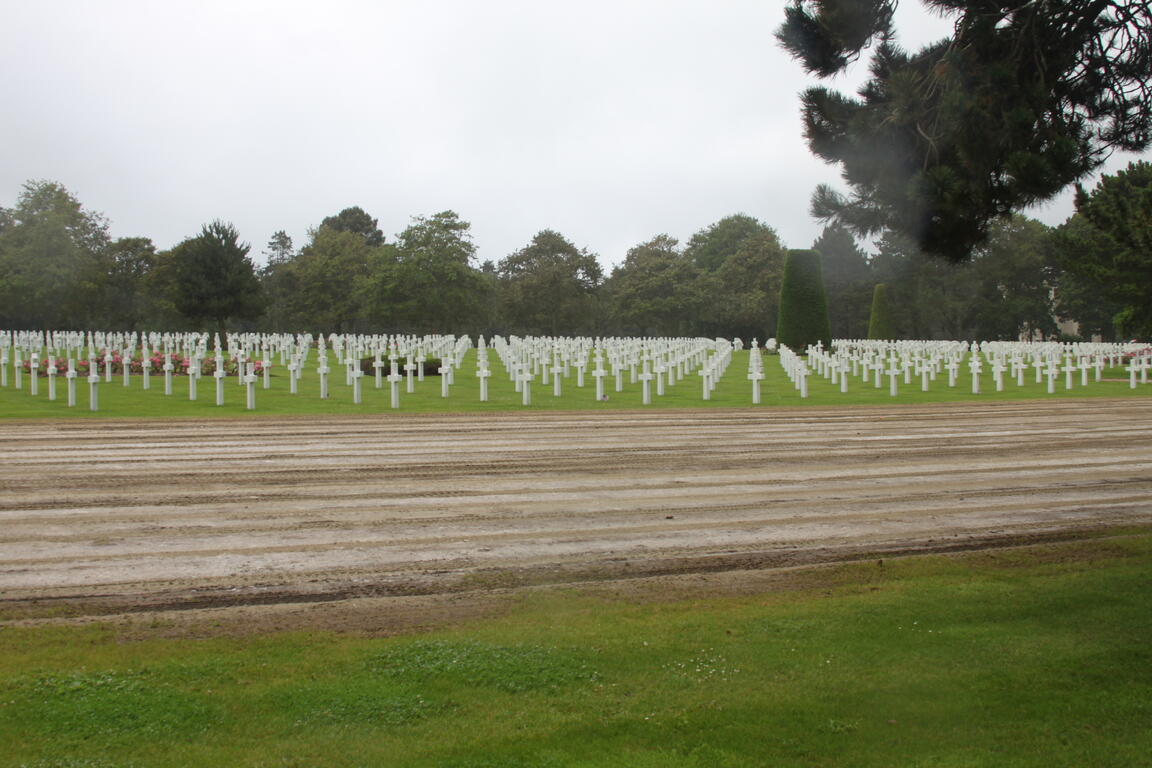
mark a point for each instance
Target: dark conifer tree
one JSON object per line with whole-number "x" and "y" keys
{"x": 880, "y": 323}
{"x": 803, "y": 316}
{"x": 215, "y": 281}
{"x": 1022, "y": 100}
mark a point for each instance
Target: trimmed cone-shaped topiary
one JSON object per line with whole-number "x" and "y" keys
{"x": 880, "y": 322}
{"x": 803, "y": 318}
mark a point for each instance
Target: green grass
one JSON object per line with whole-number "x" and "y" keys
{"x": 1033, "y": 657}
{"x": 734, "y": 390}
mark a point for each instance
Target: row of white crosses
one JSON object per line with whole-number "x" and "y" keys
{"x": 756, "y": 365}
{"x": 1051, "y": 359}
{"x": 52, "y": 347}
{"x": 1085, "y": 358}
{"x": 654, "y": 363}
{"x": 873, "y": 362}
{"x": 795, "y": 368}
{"x": 662, "y": 361}
{"x": 651, "y": 363}
{"x": 929, "y": 359}
{"x": 386, "y": 352}
{"x": 339, "y": 351}
{"x": 714, "y": 366}
{"x": 123, "y": 347}
{"x": 1140, "y": 362}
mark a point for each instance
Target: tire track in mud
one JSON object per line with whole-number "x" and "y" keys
{"x": 150, "y": 515}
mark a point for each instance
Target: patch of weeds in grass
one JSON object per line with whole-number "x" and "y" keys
{"x": 841, "y": 726}
{"x": 76, "y": 762}
{"x": 200, "y": 672}
{"x": 503, "y": 762}
{"x": 508, "y": 668}
{"x": 106, "y": 706}
{"x": 354, "y": 708}
{"x": 86, "y": 685}
{"x": 704, "y": 666}
{"x": 344, "y": 698}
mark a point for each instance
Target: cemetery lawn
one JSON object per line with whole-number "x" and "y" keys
{"x": 733, "y": 390}
{"x": 1036, "y": 656}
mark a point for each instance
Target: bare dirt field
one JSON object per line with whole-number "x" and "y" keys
{"x": 384, "y": 522}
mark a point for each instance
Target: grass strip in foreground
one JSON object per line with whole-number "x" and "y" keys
{"x": 1028, "y": 657}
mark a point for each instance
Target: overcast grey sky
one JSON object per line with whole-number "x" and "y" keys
{"x": 608, "y": 121}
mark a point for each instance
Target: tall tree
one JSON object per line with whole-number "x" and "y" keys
{"x": 550, "y": 287}
{"x": 1080, "y": 297}
{"x": 443, "y": 291}
{"x": 1014, "y": 282}
{"x": 1004, "y": 292}
{"x": 279, "y": 248}
{"x": 52, "y": 267}
{"x": 745, "y": 294}
{"x": 215, "y": 281}
{"x": 710, "y": 249}
{"x": 277, "y": 281}
{"x": 654, "y": 291}
{"x": 880, "y": 319}
{"x": 128, "y": 302}
{"x": 847, "y": 282}
{"x": 327, "y": 283}
{"x": 357, "y": 221}
{"x": 713, "y": 245}
{"x": 160, "y": 286}
{"x": 1119, "y": 209}
{"x": 803, "y": 312}
{"x": 929, "y": 298}
{"x": 1022, "y": 100}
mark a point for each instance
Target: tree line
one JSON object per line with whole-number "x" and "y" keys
{"x": 59, "y": 268}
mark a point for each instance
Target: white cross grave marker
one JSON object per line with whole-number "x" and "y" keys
{"x": 975, "y": 366}
{"x": 250, "y": 386}
{"x": 71, "y": 376}
{"x": 93, "y": 386}
{"x": 483, "y": 373}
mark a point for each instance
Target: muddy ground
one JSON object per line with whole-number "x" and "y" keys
{"x": 384, "y": 523}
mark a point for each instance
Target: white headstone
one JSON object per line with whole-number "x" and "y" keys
{"x": 250, "y": 385}
{"x": 94, "y": 388}
{"x": 394, "y": 379}
{"x": 52, "y": 372}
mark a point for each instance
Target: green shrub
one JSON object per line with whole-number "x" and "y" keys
{"x": 367, "y": 365}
